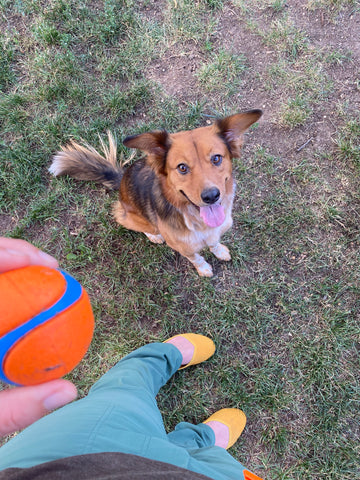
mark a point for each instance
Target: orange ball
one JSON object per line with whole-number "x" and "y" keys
{"x": 46, "y": 324}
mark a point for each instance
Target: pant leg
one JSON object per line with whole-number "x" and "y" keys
{"x": 120, "y": 414}
{"x": 191, "y": 436}
{"x": 120, "y": 410}
{"x": 217, "y": 463}
{"x": 205, "y": 457}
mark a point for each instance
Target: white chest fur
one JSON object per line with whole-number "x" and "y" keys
{"x": 199, "y": 233}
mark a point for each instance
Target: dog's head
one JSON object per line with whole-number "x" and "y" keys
{"x": 195, "y": 165}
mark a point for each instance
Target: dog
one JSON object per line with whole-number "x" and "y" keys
{"x": 180, "y": 193}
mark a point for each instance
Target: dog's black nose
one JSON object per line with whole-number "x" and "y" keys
{"x": 210, "y": 195}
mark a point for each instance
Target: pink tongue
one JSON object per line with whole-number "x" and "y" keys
{"x": 213, "y": 215}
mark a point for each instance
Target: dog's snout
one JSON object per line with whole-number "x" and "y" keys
{"x": 210, "y": 195}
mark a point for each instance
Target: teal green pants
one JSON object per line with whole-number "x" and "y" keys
{"x": 120, "y": 414}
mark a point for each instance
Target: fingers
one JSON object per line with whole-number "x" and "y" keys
{"x": 22, "y": 406}
{"x": 16, "y": 253}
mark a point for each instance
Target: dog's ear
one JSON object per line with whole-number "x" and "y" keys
{"x": 155, "y": 144}
{"x": 231, "y": 129}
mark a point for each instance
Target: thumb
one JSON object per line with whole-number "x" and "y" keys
{"x": 22, "y": 406}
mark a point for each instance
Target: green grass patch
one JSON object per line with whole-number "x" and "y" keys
{"x": 348, "y": 142}
{"x": 6, "y": 60}
{"x": 294, "y": 112}
{"x": 223, "y": 73}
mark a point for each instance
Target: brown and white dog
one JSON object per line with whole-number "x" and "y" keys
{"x": 182, "y": 192}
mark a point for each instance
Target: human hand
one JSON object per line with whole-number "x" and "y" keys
{"x": 21, "y": 406}
{"x": 16, "y": 253}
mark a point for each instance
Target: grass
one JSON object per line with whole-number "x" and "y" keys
{"x": 348, "y": 142}
{"x": 223, "y": 73}
{"x": 284, "y": 313}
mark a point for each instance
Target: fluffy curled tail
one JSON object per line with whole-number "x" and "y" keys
{"x": 83, "y": 162}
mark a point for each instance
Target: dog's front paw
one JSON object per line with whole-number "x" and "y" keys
{"x": 221, "y": 252}
{"x": 155, "y": 238}
{"x": 201, "y": 265}
{"x": 205, "y": 270}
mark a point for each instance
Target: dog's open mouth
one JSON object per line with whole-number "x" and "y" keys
{"x": 212, "y": 215}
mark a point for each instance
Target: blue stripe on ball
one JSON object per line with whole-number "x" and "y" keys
{"x": 72, "y": 294}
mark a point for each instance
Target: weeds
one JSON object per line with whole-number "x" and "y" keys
{"x": 223, "y": 73}
{"x": 348, "y": 142}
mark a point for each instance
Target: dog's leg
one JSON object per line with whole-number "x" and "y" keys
{"x": 201, "y": 265}
{"x": 155, "y": 238}
{"x": 188, "y": 248}
{"x": 221, "y": 252}
{"x": 133, "y": 221}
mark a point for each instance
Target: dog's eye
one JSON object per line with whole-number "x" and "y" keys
{"x": 182, "y": 168}
{"x": 216, "y": 159}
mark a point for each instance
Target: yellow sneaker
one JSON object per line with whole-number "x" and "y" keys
{"x": 233, "y": 418}
{"x": 204, "y": 347}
